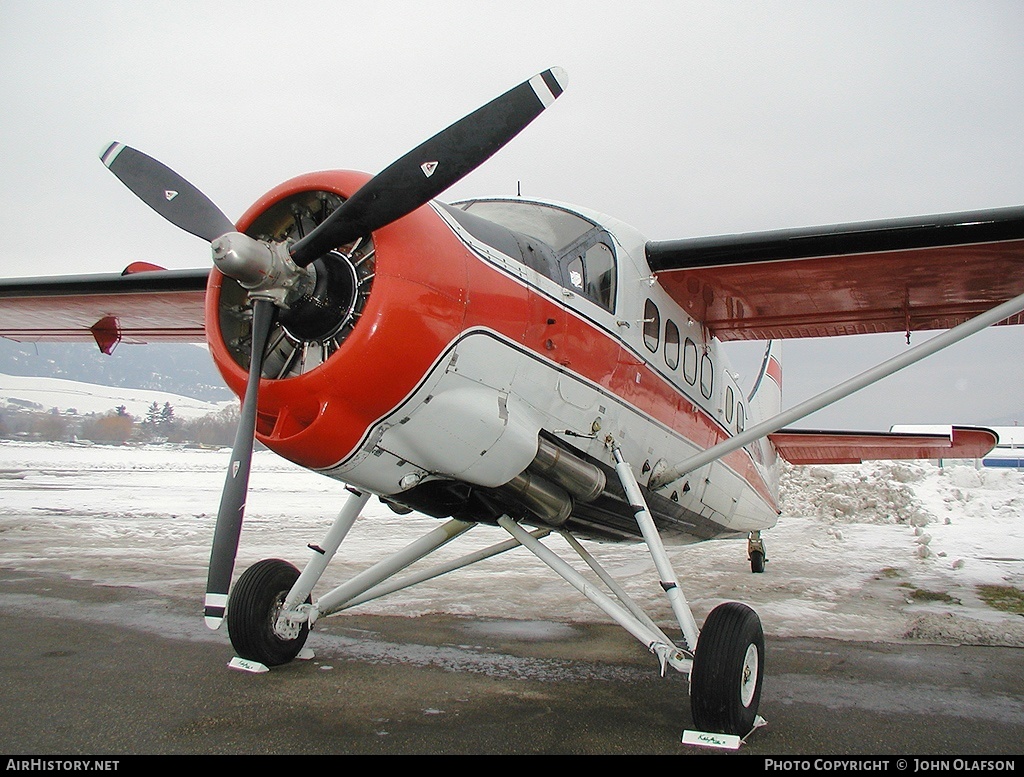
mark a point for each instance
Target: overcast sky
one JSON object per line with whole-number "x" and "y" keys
{"x": 681, "y": 118}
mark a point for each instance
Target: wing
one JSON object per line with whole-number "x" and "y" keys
{"x": 143, "y": 304}
{"x": 818, "y": 447}
{"x": 901, "y": 275}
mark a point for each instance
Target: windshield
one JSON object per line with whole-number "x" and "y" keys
{"x": 554, "y": 226}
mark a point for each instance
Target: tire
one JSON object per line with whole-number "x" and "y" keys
{"x": 728, "y": 667}
{"x": 253, "y": 607}
{"x": 756, "y": 561}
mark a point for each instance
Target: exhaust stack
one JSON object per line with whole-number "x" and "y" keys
{"x": 580, "y": 478}
{"x": 553, "y": 480}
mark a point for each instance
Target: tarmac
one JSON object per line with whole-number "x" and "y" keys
{"x": 106, "y": 671}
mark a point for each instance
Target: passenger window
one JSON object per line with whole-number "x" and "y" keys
{"x": 707, "y": 376}
{"x": 741, "y": 421}
{"x": 652, "y": 326}
{"x": 690, "y": 361}
{"x": 730, "y": 401}
{"x": 671, "y": 344}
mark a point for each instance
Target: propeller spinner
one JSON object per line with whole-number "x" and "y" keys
{"x": 275, "y": 273}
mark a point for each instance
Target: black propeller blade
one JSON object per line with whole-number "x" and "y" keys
{"x": 433, "y": 166}
{"x": 236, "y": 484}
{"x": 166, "y": 192}
{"x": 402, "y": 187}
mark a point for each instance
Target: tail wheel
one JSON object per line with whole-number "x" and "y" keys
{"x": 728, "y": 667}
{"x": 253, "y": 608}
{"x": 756, "y": 561}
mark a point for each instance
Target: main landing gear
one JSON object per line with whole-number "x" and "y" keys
{"x": 256, "y": 601}
{"x": 270, "y": 611}
{"x": 725, "y": 682}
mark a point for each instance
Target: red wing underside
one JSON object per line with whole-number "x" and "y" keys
{"x": 818, "y": 447}
{"x": 162, "y": 306}
{"x": 897, "y": 276}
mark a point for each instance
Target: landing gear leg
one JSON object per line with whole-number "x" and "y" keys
{"x": 267, "y": 621}
{"x": 728, "y": 654}
{"x": 755, "y": 552}
{"x": 654, "y": 544}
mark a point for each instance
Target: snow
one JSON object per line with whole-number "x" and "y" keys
{"x": 876, "y": 552}
{"x": 86, "y": 398}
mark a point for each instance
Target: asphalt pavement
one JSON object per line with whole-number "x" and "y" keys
{"x": 107, "y": 671}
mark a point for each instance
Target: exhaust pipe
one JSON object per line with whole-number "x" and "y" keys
{"x": 551, "y": 504}
{"x": 581, "y": 479}
{"x": 553, "y": 480}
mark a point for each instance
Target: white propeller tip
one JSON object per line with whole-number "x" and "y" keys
{"x": 215, "y": 605}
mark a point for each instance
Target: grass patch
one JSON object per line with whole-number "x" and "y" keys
{"x": 1005, "y": 598}
{"x": 889, "y": 573}
{"x": 924, "y": 595}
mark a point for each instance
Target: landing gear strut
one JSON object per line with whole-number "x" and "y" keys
{"x": 728, "y": 654}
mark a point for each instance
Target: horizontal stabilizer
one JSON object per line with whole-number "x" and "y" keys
{"x": 799, "y": 446}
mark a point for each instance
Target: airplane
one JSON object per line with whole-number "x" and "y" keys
{"x": 528, "y": 365}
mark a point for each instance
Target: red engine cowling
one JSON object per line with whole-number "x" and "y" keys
{"x": 348, "y": 352}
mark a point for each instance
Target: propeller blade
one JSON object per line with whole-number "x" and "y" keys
{"x": 166, "y": 192}
{"x": 433, "y": 166}
{"x": 236, "y": 483}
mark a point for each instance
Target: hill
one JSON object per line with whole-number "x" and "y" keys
{"x": 176, "y": 368}
{"x": 60, "y": 391}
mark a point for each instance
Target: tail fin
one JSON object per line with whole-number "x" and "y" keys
{"x": 765, "y": 398}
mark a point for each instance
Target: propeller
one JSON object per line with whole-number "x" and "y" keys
{"x": 166, "y": 192}
{"x": 272, "y": 272}
{"x": 433, "y": 166}
{"x": 236, "y": 483}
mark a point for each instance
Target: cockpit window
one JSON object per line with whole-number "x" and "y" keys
{"x": 590, "y": 270}
{"x": 554, "y": 226}
{"x": 581, "y": 249}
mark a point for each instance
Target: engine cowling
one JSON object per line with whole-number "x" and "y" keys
{"x": 357, "y": 340}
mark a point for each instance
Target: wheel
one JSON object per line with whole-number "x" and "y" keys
{"x": 728, "y": 666}
{"x": 253, "y": 608}
{"x": 756, "y": 561}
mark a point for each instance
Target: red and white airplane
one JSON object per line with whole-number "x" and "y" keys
{"x": 525, "y": 364}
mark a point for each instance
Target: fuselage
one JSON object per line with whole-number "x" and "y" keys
{"x": 478, "y": 329}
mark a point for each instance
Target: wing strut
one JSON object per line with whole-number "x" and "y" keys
{"x": 885, "y": 369}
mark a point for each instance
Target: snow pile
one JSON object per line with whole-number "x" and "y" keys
{"x": 874, "y": 493}
{"x": 922, "y": 544}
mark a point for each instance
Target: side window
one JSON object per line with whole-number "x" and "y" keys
{"x": 690, "y": 361}
{"x": 730, "y": 402}
{"x": 600, "y": 264}
{"x": 576, "y": 273}
{"x": 707, "y": 376}
{"x": 591, "y": 272}
{"x": 741, "y": 421}
{"x": 671, "y": 344}
{"x": 652, "y": 326}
